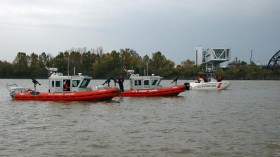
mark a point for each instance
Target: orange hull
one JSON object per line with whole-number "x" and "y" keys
{"x": 165, "y": 91}
{"x": 106, "y": 94}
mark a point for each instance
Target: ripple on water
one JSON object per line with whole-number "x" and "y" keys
{"x": 273, "y": 146}
{"x": 241, "y": 121}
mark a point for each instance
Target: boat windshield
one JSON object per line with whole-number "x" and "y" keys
{"x": 154, "y": 82}
{"x": 18, "y": 90}
{"x": 85, "y": 83}
{"x": 75, "y": 83}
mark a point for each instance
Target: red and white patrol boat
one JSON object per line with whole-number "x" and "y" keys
{"x": 64, "y": 88}
{"x": 209, "y": 82}
{"x": 149, "y": 86}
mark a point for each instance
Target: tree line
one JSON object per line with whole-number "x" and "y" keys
{"x": 104, "y": 65}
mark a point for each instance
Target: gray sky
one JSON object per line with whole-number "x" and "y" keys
{"x": 174, "y": 27}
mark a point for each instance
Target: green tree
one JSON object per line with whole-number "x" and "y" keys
{"x": 61, "y": 62}
{"x": 187, "y": 69}
{"x": 130, "y": 59}
{"x": 75, "y": 61}
{"x": 159, "y": 65}
{"x": 145, "y": 65}
{"x": 103, "y": 65}
{"x": 6, "y": 69}
{"x": 20, "y": 63}
{"x": 34, "y": 64}
{"x": 87, "y": 61}
{"x": 43, "y": 61}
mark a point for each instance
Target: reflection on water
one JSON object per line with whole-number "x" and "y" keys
{"x": 241, "y": 121}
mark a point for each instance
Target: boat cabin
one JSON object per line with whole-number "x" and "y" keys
{"x": 76, "y": 83}
{"x": 144, "y": 82}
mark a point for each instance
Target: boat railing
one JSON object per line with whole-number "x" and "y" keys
{"x": 10, "y": 85}
{"x": 100, "y": 87}
{"x": 14, "y": 88}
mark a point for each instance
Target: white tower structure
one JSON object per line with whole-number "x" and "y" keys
{"x": 200, "y": 55}
{"x": 212, "y": 57}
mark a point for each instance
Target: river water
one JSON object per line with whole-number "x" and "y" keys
{"x": 243, "y": 120}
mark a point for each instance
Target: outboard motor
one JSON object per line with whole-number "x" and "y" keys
{"x": 187, "y": 85}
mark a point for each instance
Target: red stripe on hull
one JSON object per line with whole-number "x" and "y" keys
{"x": 166, "y": 91}
{"x": 106, "y": 94}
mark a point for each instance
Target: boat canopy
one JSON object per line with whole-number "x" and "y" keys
{"x": 144, "y": 82}
{"x": 76, "y": 83}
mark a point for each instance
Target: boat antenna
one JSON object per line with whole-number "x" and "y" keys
{"x": 147, "y": 68}
{"x": 251, "y": 57}
{"x": 51, "y": 70}
{"x": 68, "y": 66}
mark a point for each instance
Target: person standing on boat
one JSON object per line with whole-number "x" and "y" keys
{"x": 120, "y": 81}
{"x": 219, "y": 78}
{"x": 66, "y": 85}
{"x": 198, "y": 78}
{"x": 206, "y": 79}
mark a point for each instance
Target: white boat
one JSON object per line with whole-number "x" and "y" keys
{"x": 209, "y": 82}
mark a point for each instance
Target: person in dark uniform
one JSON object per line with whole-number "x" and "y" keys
{"x": 120, "y": 81}
{"x": 206, "y": 79}
{"x": 219, "y": 78}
